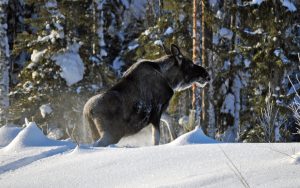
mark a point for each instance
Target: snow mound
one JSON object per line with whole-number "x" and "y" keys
{"x": 296, "y": 159}
{"x": 30, "y": 136}
{"x": 196, "y": 136}
{"x": 7, "y": 134}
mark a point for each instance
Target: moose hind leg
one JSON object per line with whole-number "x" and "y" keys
{"x": 155, "y": 134}
{"x": 105, "y": 140}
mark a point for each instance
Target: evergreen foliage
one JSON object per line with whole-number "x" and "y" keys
{"x": 252, "y": 49}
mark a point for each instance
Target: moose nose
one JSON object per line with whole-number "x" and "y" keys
{"x": 207, "y": 78}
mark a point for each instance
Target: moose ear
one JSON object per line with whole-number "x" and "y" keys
{"x": 176, "y": 53}
{"x": 175, "y": 50}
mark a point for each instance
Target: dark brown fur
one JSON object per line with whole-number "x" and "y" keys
{"x": 140, "y": 97}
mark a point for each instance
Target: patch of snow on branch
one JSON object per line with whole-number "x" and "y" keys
{"x": 117, "y": 64}
{"x": 257, "y": 2}
{"x": 132, "y": 47}
{"x": 225, "y": 33}
{"x": 72, "y": 67}
{"x": 280, "y": 53}
{"x": 169, "y": 31}
{"x": 45, "y": 109}
{"x": 247, "y": 63}
{"x": 257, "y": 31}
{"x": 51, "y": 4}
{"x": 228, "y": 105}
{"x": 125, "y": 3}
{"x": 289, "y": 5}
{"x": 158, "y": 43}
{"x": 37, "y": 55}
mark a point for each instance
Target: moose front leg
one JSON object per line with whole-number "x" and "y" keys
{"x": 155, "y": 134}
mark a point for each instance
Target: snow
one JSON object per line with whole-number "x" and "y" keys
{"x": 37, "y": 55}
{"x": 247, "y": 63}
{"x": 228, "y": 105}
{"x": 213, "y": 3}
{"x": 45, "y": 109}
{"x": 225, "y": 33}
{"x": 125, "y": 3}
{"x": 196, "y": 136}
{"x": 226, "y": 65}
{"x": 289, "y": 5}
{"x": 256, "y": 32}
{"x": 169, "y": 31}
{"x": 137, "y": 8}
{"x": 257, "y": 2}
{"x": 72, "y": 67}
{"x": 158, "y": 43}
{"x": 280, "y": 53}
{"x": 181, "y": 17}
{"x": 31, "y": 136}
{"x": 2, "y": 2}
{"x": 7, "y": 134}
{"x": 51, "y": 4}
{"x": 132, "y": 47}
{"x": 117, "y": 64}
{"x": 37, "y": 161}
{"x": 292, "y": 89}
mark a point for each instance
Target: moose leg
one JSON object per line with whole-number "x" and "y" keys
{"x": 155, "y": 134}
{"x": 105, "y": 140}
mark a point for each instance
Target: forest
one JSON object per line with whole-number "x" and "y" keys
{"x": 56, "y": 54}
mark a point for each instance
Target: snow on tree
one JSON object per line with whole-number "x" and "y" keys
{"x": 248, "y": 45}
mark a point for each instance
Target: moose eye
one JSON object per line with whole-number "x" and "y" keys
{"x": 180, "y": 56}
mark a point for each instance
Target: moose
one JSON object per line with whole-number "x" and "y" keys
{"x": 140, "y": 97}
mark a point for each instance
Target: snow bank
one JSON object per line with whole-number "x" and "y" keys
{"x": 7, "y": 134}
{"x": 30, "y": 136}
{"x": 142, "y": 138}
{"x": 204, "y": 165}
{"x": 196, "y": 136}
{"x": 71, "y": 64}
{"x": 57, "y": 164}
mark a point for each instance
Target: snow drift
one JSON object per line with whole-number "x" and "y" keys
{"x": 31, "y": 136}
{"x": 7, "y": 134}
{"x": 196, "y": 136}
{"x": 42, "y": 162}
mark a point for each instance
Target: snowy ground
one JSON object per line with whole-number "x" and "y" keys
{"x": 29, "y": 159}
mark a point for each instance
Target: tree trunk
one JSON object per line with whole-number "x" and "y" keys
{"x": 4, "y": 64}
{"x": 206, "y": 40}
{"x": 195, "y": 90}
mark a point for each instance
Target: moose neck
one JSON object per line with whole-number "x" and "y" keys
{"x": 168, "y": 70}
